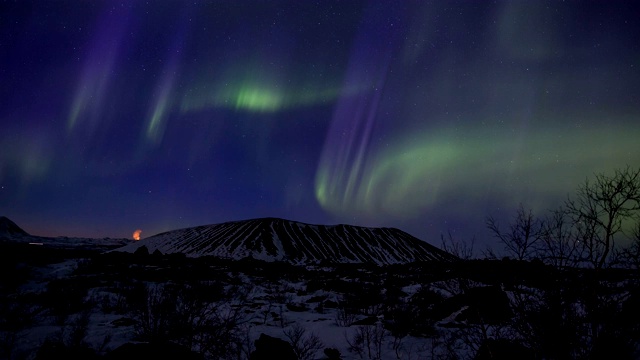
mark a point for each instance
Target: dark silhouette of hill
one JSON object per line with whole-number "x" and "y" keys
{"x": 274, "y": 239}
{"x": 9, "y": 229}
{"x": 13, "y": 235}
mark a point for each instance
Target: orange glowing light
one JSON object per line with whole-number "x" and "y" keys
{"x": 136, "y": 234}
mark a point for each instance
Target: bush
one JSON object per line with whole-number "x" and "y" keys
{"x": 305, "y": 346}
{"x": 367, "y": 341}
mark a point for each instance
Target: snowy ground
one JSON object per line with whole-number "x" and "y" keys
{"x": 109, "y": 300}
{"x": 272, "y": 308}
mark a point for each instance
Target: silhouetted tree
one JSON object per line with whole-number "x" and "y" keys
{"x": 367, "y": 341}
{"x": 559, "y": 243}
{"x": 578, "y": 313}
{"x": 304, "y": 345}
{"x": 522, "y": 236}
{"x": 179, "y": 314}
{"x": 600, "y": 209}
{"x": 459, "y": 248}
{"x": 631, "y": 254}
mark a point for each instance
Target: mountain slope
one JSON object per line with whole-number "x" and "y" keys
{"x": 9, "y": 229}
{"x": 274, "y": 239}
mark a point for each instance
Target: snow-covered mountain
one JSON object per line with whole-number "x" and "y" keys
{"x": 10, "y": 233}
{"x": 274, "y": 239}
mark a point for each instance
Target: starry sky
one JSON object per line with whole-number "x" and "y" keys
{"x": 427, "y": 116}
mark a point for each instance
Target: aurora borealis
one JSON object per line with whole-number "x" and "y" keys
{"x": 426, "y": 116}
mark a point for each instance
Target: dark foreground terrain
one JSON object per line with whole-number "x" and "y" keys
{"x": 76, "y": 303}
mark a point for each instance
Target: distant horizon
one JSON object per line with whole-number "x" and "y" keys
{"x": 192, "y": 226}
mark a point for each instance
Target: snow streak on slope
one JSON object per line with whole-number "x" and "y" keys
{"x": 274, "y": 239}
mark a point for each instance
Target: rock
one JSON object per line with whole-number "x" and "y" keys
{"x": 268, "y": 347}
{"x": 332, "y": 354}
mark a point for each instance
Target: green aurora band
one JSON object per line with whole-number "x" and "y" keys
{"x": 261, "y": 98}
{"x": 429, "y": 171}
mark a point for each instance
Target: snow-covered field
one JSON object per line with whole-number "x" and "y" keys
{"x": 220, "y": 308}
{"x": 80, "y": 302}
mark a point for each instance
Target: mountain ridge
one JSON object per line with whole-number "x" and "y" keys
{"x": 11, "y": 233}
{"x": 9, "y": 228}
{"x": 276, "y": 239}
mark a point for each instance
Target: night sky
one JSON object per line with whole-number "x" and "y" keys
{"x": 426, "y": 116}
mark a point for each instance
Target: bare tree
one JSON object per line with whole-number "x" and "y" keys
{"x": 75, "y": 331}
{"x": 600, "y": 208}
{"x": 367, "y": 341}
{"x": 154, "y": 312}
{"x": 346, "y": 315}
{"x": 305, "y": 346}
{"x": 178, "y": 314}
{"x": 459, "y": 248}
{"x": 559, "y": 243}
{"x": 521, "y": 238}
{"x": 631, "y": 254}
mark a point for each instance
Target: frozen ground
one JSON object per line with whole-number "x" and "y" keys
{"x": 103, "y": 321}
{"x": 211, "y": 305}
